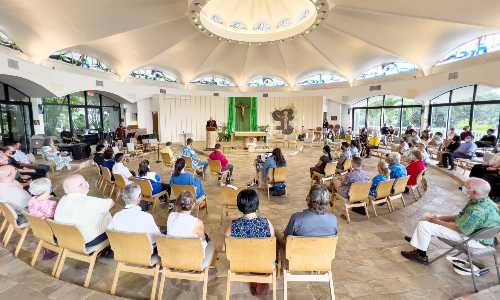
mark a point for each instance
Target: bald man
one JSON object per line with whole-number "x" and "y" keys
{"x": 479, "y": 213}
{"x": 12, "y": 191}
{"x": 90, "y": 214}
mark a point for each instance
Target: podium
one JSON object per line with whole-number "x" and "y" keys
{"x": 211, "y": 138}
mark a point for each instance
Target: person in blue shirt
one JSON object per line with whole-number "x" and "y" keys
{"x": 395, "y": 167}
{"x": 276, "y": 160}
{"x": 109, "y": 161}
{"x": 154, "y": 179}
{"x": 180, "y": 177}
{"x": 466, "y": 150}
{"x": 383, "y": 175}
{"x": 354, "y": 148}
{"x": 198, "y": 165}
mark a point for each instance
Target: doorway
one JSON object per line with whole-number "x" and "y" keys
{"x": 155, "y": 124}
{"x": 15, "y": 124}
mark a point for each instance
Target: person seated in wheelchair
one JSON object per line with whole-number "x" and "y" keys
{"x": 479, "y": 213}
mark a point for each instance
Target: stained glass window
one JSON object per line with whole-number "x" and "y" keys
{"x": 153, "y": 74}
{"x": 303, "y": 15}
{"x": 479, "y": 46}
{"x": 213, "y": 80}
{"x": 81, "y": 60}
{"x": 217, "y": 19}
{"x": 238, "y": 25}
{"x": 388, "y": 69}
{"x": 283, "y": 23}
{"x": 266, "y": 81}
{"x": 262, "y": 26}
{"x": 320, "y": 78}
{"x": 7, "y": 42}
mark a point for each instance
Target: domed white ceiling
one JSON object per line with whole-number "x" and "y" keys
{"x": 353, "y": 36}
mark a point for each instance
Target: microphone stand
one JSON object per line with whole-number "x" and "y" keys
{"x": 158, "y": 153}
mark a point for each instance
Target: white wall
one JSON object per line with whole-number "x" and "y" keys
{"x": 308, "y": 110}
{"x": 144, "y": 113}
{"x": 333, "y": 109}
{"x": 131, "y": 108}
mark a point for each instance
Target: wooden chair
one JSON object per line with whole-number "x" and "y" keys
{"x": 415, "y": 189}
{"x": 147, "y": 191}
{"x": 70, "y": 239}
{"x": 347, "y": 167}
{"x": 330, "y": 170}
{"x": 278, "y": 175}
{"x": 4, "y": 223}
{"x": 311, "y": 255}
{"x": 100, "y": 180}
{"x": 119, "y": 186}
{"x": 382, "y": 194}
{"x": 11, "y": 218}
{"x": 189, "y": 166}
{"x": 358, "y": 197}
{"x": 178, "y": 189}
{"x": 183, "y": 258}
{"x": 167, "y": 159}
{"x": 134, "y": 254}
{"x": 216, "y": 170}
{"x": 229, "y": 195}
{"x": 397, "y": 191}
{"x": 107, "y": 181}
{"x": 42, "y": 231}
{"x": 246, "y": 266}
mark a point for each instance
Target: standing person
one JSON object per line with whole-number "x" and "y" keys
{"x": 465, "y": 133}
{"x": 323, "y": 161}
{"x": 224, "y": 162}
{"x": 198, "y": 165}
{"x": 325, "y": 128}
{"x": 275, "y": 160}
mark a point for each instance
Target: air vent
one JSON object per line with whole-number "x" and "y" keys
{"x": 452, "y": 75}
{"x": 375, "y": 88}
{"x": 265, "y": 95}
{"x": 13, "y": 64}
{"x": 99, "y": 83}
{"x": 216, "y": 94}
{"x": 163, "y": 91}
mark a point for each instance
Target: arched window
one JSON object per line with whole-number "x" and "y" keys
{"x": 7, "y": 42}
{"x": 81, "y": 60}
{"x": 212, "y": 79}
{"x": 320, "y": 78}
{"x": 388, "y": 69}
{"x": 266, "y": 81}
{"x": 478, "y": 46}
{"x": 153, "y": 74}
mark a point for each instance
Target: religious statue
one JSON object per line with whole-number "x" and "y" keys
{"x": 242, "y": 108}
{"x": 284, "y": 116}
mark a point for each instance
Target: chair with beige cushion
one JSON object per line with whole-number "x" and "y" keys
{"x": 70, "y": 239}
{"x": 382, "y": 194}
{"x": 229, "y": 195}
{"x": 246, "y": 266}
{"x": 42, "y": 231}
{"x": 147, "y": 191}
{"x": 358, "y": 197}
{"x": 134, "y": 254}
{"x": 178, "y": 189}
{"x": 107, "y": 181}
{"x": 309, "y": 259}
{"x": 275, "y": 175}
{"x": 216, "y": 170}
{"x": 397, "y": 191}
{"x": 12, "y": 226}
{"x": 183, "y": 258}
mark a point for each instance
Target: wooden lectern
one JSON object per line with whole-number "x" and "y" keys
{"x": 211, "y": 137}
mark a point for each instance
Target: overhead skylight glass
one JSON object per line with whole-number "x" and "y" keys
{"x": 388, "y": 69}
{"x": 478, "y": 46}
{"x": 320, "y": 78}
{"x": 212, "y": 79}
{"x": 81, "y": 60}
{"x": 153, "y": 74}
{"x": 266, "y": 81}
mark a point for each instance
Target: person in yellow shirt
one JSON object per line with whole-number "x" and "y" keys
{"x": 168, "y": 149}
{"x": 373, "y": 143}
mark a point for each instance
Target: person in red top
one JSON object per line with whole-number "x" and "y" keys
{"x": 415, "y": 166}
{"x": 225, "y": 165}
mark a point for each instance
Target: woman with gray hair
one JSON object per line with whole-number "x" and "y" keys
{"x": 315, "y": 220}
{"x": 41, "y": 204}
{"x": 395, "y": 166}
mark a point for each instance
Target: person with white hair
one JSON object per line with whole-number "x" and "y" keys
{"x": 479, "y": 213}
{"x": 90, "y": 214}
{"x": 12, "y": 191}
{"x": 41, "y": 205}
{"x": 131, "y": 218}
{"x": 396, "y": 168}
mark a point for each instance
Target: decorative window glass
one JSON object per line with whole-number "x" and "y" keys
{"x": 303, "y": 15}
{"x": 388, "y": 69}
{"x": 81, "y": 60}
{"x": 478, "y": 46}
{"x": 266, "y": 81}
{"x": 213, "y": 80}
{"x": 153, "y": 74}
{"x": 238, "y": 25}
{"x": 283, "y": 23}
{"x": 7, "y": 42}
{"x": 262, "y": 26}
{"x": 320, "y": 78}
{"x": 217, "y": 19}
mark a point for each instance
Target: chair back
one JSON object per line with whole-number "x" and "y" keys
{"x": 146, "y": 188}
{"x": 400, "y": 185}
{"x": 180, "y": 253}
{"x": 215, "y": 166}
{"x": 68, "y": 236}
{"x": 229, "y": 196}
{"x": 486, "y": 233}
{"x": 358, "y": 191}
{"x": 167, "y": 159}
{"x": 189, "y": 162}
{"x": 420, "y": 176}
{"x": 241, "y": 254}
{"x": 178, "y": 189}
{"x": 131, "y": 248}
{"x": 347, "y": 164}
{"x": 9, "y": 214}
{"x": 120, "y": 181}
{"x": 279, "y": 174}
{"x": 330, "y": 168}
{"x": 41, "y": 229}
{"x": 106, "y": 174}
{"x": 384, "y": 189}
{"x": 310, "y": 254}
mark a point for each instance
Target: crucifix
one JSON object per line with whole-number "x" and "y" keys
{"x": 242, "y": 108}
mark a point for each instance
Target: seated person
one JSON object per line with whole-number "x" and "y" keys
{"x": 120, "y": 169}
{"x": 415, "y": 167}
{"x": 354, "y": 148}
{"x": 41, "y": 204}
{"x": 450, "y": 145}
{"x": 373, "y": 143}
{"x": 155, "y": 180}
{"x": 181, "y": 223}
{"x": 51, "y": 153}
{"x": 425, "y": 155}
{"x": 436, "y": 140}
{"x": 488, "y": 140}
{"x": 413, "y": 139}
{"x": 464, "y": 150}
{"x": 345, "y": 155}
{"x": 13, "y": 192}
{"x": 168, "y": 149}
{"x": 21, "y": 158}
{"x": 323, "y": 161}
{"x": 490, "y": 172}
{"x": 131, "y": 218}
{"x": 315, "y": 220}
{"x": 181, "y": 177}
{"x": 66, "y": 136}
{"x": 384, "y": 132}
{"x": 403, "y": 147}
{"x": 22, "y": 169}
{"x": 348, "y": 136}
{"x": 275, "y": 160}
{"x": 356, "y": 175}
{"x": 465, "y": 133}
{"x": 363, "y": 136}
{"x": 479, "y": 213}
{"x": 397, "y": 170}
{"x": 383, "y": 175}
{"x": 99, "y": 154}
{"x": 426, "y": 134}
{"x": 90, "y": 214}
{"x": 198, "y": 165}
{"x": 218, "y": 155}
{"x": 109, "y": 160}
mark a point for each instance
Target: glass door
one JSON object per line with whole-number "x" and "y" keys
{"x": 15, "y": 124}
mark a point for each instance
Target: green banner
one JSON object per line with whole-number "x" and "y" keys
{"x": 242, "y": 114}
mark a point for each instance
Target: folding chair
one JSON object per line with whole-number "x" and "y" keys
{"x": 216, "y": 169}
{"x": 11, "y": 218}
{"x": 382, "y": 195}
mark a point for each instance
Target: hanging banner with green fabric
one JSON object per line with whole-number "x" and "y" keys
{"x": 242, "y": 114}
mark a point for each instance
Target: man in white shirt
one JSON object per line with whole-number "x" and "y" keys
{"x": 11, "y": 191}
{"x": 120, "y": 169}
{"x": 132, "y": 218}
{"x": 90, "y": 214}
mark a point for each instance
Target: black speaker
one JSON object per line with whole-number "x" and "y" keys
{"x": 265, "y": 95}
